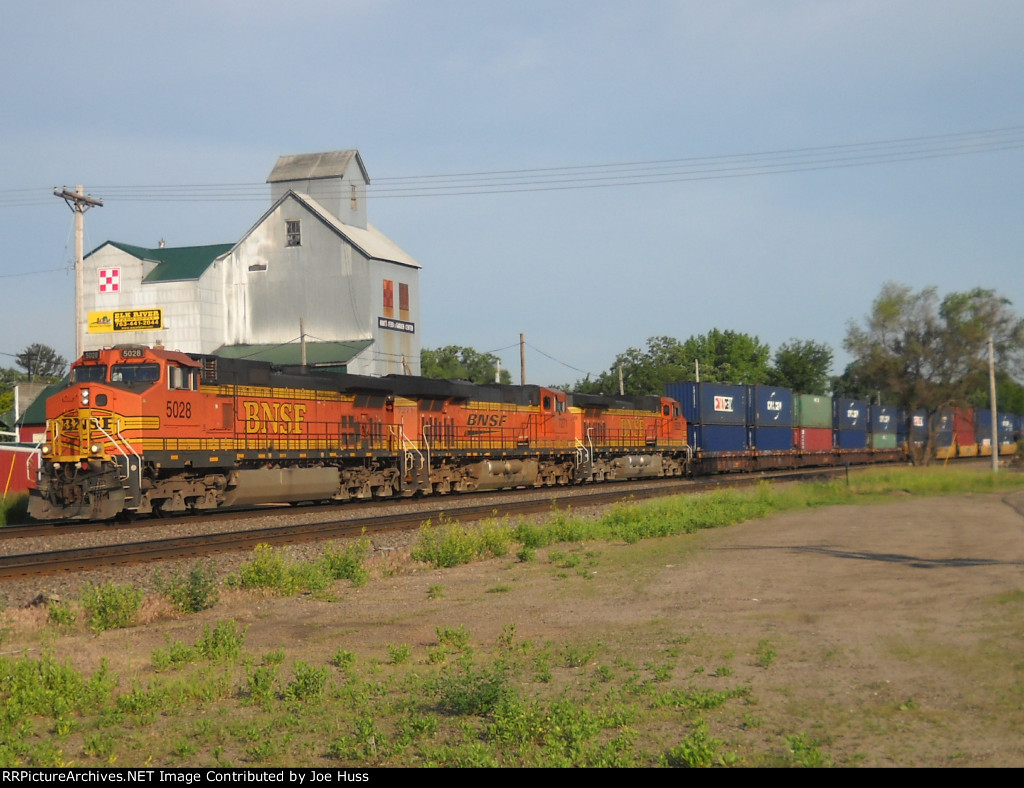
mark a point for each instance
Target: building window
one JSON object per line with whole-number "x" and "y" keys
{"x": 389, "y": 294}
{"x": 403, "y": 297}
{"x": 294, "y": 232}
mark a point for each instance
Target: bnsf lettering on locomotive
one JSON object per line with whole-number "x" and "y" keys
{"x": 723, "y": 404}
{"x": 70, "y": 424}
{"x": 486, "y": 419}
{"x": 277, "y": 418}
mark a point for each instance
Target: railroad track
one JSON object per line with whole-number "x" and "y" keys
{"x": 461, "y": 508}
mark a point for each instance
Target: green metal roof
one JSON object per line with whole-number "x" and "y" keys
{"x": 323, "y": 354}
{"x": 182, "y": 262}
{"x": 36, "y": 412}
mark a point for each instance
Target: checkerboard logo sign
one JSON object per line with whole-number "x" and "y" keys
{"x": 110, "y": 280}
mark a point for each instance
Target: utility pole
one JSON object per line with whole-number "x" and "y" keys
{"x": 992, "y": 401}
{"x": 79, "y": 203}
{"x": 522, "y": 359}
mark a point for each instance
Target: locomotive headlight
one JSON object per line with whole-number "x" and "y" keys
{"x": 85, "y": 396}
{"x": 95, "y": 448}
{"x": 46, "y": 449}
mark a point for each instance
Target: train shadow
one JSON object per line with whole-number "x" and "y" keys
{"x": 913, "y": 561}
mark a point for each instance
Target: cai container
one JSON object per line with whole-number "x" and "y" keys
{"x": 710, "y": 403}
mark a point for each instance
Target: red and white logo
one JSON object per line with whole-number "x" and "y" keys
{"x": 110, "y": 280}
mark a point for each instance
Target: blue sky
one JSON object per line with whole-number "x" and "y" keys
{"x": 127, "y": 94}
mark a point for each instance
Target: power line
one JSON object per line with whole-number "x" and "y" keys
{"x": 593, "y": 176}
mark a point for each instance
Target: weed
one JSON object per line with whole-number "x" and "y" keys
{"x": 61, "y": 614}
{"x": 261, "y": 684}
{"x": 805, "y": 752}
{"x": 507, "y": 636}
{"x": 111, "y": 606}
{"x": 267, "y": 570}
{"x": 765, "y": 654}
{"x": 473, "y": 691}
{"x": 348, "y": 563}
{"x": 397, "y": 654}
{"x": 576, "y": 656}
{"x": 223, "y": 643}
{"x": 435, "y": 592}
{"x": 309, "y": 683}
{"x": 345, "y": 660}
{"x": 174, "y": 656}
{"x": 191, "y": 592}
{"x": 456, "y": 638}
{"x": 697, "y": 750}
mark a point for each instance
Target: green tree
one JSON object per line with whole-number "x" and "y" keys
{"x": 722, "y": 357}
{"x": 802, "y": 365}
{"x": 42, "y": 362}
{"x": 925, "y": 353}
{"x": 455, "y": 362}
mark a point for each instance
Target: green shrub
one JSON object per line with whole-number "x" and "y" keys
{"x": 111, "y": 606}
{"x": 267, "y": 570}
{"x": 193, "y": 591}
{"x": 61, "y": 614}
{"x": 223, "y": 643}
{"x": 697, "y": 750}
{"x": 308, "y": 684}
{"x": 347, "y": 563}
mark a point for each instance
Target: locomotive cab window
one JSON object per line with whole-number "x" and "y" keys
{"x": 135, "y": 373}
{"x": 92, "y": 373}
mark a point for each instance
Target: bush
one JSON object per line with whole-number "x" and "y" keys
{"x": 347, "y": 564}
{"x": 223, "y": 643}
{"x": 267, "y": 570}
{"x": 111, "y": 606}
{"x": 191, "y": 592}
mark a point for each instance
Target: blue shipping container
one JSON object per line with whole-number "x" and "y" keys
{"x": 882, "y": 418}
{"x": 718, "y": 438}
{"x": 851, "y": 439}
{"x": 919, "y": 426}
{"x": 771, "y": 438}
{"x": 710, "y": 403}
{"x": 770, "y": 407}
{"x": 849, "y": 414}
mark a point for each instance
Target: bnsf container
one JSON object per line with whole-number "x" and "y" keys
{"x": 771, "y": 438}
{"x": 881, "y": 418}
{"x": 770, "y": 407}
{"x": 710, "y": 403}
{"x": 812, "y": 410}
{"x": 851, "y": 439}
{"x": 718, "y": 438}
{"x": 849, "y": 414}
{"x": 813, "y": 438}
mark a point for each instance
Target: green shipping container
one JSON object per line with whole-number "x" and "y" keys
{"x": 883, "y": 440}
{"x": 812, "y": 410}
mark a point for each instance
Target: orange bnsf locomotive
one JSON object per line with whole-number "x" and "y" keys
{"x": 144, "y": 430}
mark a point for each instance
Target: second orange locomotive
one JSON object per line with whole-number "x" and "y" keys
{"x": 144, "y": 430}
